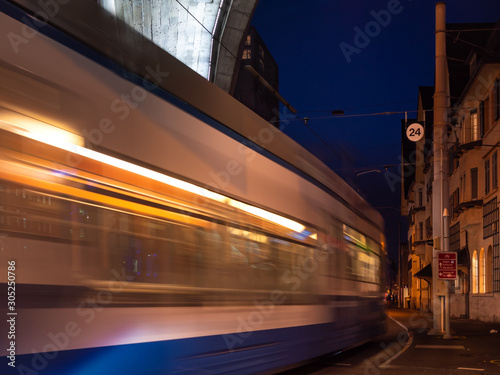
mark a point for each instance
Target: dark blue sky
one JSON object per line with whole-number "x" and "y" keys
{"x": 383, "y": 75}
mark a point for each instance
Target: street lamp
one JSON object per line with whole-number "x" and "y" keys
{"x": 364, "y": 172}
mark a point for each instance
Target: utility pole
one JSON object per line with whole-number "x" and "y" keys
{"x": 440, "y": 177}
{"x": 446, "y": 247}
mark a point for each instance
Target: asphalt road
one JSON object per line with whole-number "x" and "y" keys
{"x": 472, "y": 350}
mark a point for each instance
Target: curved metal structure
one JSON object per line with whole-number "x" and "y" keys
{"x": 204, "y": 35}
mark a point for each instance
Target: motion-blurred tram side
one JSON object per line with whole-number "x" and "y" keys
{"x": 153, "y": 233}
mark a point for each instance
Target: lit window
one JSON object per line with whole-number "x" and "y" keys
{"x": 482, "y": 272}
{"x": 247, "y": 54}
{"x": 475, "y": 274}
{"x": 474, "y": 126}
{"x": 248, "y": 41}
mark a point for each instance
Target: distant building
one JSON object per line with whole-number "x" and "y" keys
{"x": 404, "y": 276}
{"x": 248, "y": 89}
{"x": 473, "y": 145}
{"x": 417, "y": 202}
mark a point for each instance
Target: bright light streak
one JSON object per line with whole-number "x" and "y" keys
{"x": 29, "y": 127}
{"x": 67, "y": 141}
{"x": 283, "y": 221}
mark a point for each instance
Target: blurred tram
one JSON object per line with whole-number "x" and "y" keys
{"x": 152, "y": 231}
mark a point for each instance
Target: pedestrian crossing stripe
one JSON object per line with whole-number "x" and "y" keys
{"x": 439, "y": 347}
{"x": 470, "y": 369}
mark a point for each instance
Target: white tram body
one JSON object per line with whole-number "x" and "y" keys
{"x": 151, "y": 224}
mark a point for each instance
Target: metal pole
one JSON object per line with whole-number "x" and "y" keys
{"x": 440, "y": 183}
{"x": 400, "y": 291}
{"x": 441, "y": 299}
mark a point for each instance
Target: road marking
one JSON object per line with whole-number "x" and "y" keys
{"x": 470, "y": 369}
{"x": 410, "y": 341}
{"x": 439, "y": 347}
{"x": 409, "y": 369}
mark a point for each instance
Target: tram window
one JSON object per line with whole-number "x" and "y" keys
{"x": 363, "y": 262}
{"x": 24, "y": 211}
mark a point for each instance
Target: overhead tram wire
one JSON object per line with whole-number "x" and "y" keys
{"x": 457, "y": 38}
{"x": 357, "y": 107}
{"x": 387, "y": 113}
{"x": 268, "y": 86}
{"x": 463, "y": 30}
{"x": 304, "y": 120}
{"x": 373, "y": 105}
{"x": 380, "y": 167}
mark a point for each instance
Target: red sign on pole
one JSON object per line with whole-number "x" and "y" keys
{"x": 447, "y": 265}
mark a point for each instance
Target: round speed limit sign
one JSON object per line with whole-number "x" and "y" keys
{"x": 415, "y": 132}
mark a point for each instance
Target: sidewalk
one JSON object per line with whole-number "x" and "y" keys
{"x": 472, "y": 348}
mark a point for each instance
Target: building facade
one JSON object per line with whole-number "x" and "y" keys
{"x": 474, "y": 196}
{"x": 473, "y": 145}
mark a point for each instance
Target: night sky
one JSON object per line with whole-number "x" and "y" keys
{"x": 378, "y": 72}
